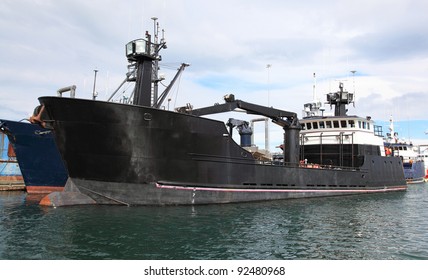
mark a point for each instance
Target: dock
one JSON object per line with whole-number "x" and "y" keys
{"x": 12, "y": 183}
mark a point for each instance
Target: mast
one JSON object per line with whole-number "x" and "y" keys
{"x": 139, "y": 52}
{"x": 158, "y": 45}
{"x": 392, "y": 134}
{"x": 313, "y": 108}
{"x": 340, "y": 99}
{"x": 143, "y": 54}
{"x": 353, "y": 83}
{"x": 314, "y": 93}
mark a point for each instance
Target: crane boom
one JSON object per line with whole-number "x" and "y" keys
{"x": 287, "y": 120}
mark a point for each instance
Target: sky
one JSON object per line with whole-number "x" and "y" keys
{"x": 49, "y": 44}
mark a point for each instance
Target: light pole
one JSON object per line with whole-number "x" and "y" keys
{"x": 268, "y": 69}
{"x": 268, "y": 66}
{"x": 353, "y": 78}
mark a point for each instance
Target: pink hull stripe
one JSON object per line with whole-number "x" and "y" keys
{"x": 398, "y": 188}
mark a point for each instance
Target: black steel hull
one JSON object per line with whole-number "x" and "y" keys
{"x": 135, "y": 155}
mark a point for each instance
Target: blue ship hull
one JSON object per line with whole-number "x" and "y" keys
{"x": 38, "y": 157}
{"x": 414, "y": 172}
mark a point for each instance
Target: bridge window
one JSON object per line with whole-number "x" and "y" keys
{"x": 309, "y": 125}
{"x": 315, "y": 125}
{"x": 351, "y": 123}
{"x": 322, "y": 125}
{"x": 336, "y": 124}
{"x": 343, "y": 123}
{"x": 328, "y": 123}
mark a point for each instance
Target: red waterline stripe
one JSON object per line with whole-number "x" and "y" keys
{"x": 399, "y": 188}
{"x": 44, "y": 189}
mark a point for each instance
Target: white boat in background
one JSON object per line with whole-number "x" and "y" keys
{"x": 413, "y": 163}
{"x": 423, "y": 154}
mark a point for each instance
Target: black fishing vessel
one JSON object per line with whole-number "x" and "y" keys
{"x": 140, "y": 154}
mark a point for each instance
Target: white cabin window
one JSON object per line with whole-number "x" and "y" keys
{"x": 309, "y": 125}
{"x": 359, "y": 124}
{"x": 322, "y": 125}
{"x": 343, "y": 123}
{"x": 351, "y": 123}
{"x": 328, "y": 124}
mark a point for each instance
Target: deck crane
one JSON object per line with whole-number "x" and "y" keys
{"x": 287, "y": 120}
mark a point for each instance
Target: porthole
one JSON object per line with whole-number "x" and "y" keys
{"x": 147, "y": 116}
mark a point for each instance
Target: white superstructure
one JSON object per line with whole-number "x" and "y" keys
{"x": 341, "y": 130}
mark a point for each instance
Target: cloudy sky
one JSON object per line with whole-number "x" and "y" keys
{"x": 49, "y": 44}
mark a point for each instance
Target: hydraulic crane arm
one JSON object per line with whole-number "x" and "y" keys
{"x": 282, "y": 118}
{"x": 287, "y": 120}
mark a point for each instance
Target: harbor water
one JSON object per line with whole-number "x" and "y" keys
{"x": 387, "y": 226}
